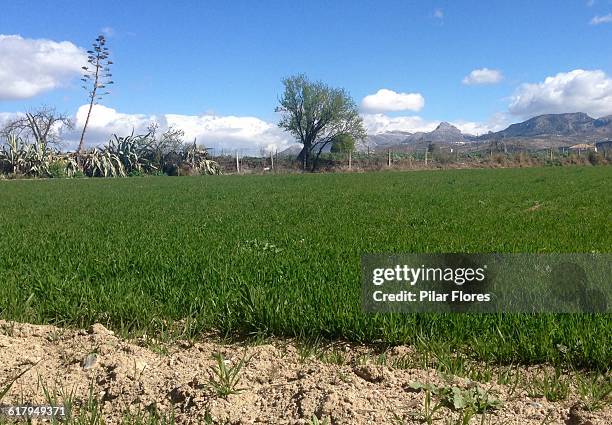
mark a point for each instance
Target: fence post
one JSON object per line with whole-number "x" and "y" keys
{"x": 426, "y": 150}
{"x": 237, "y": 163}
{"x": 350, "y": 160}
{"x": 389, "y": 157}
{"x": 271, "y": 161}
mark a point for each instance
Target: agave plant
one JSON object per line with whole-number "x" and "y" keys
{"x": 37, "y": 160}
{"x": 13, "y": 155}
{"x": 19, "y": 157}
{"x": 67, "y": 163}
{"x": 132, "y": 151}
{"x": 197, "y": 159}
{"x": 120, "y": 157}
{"x": 102, "y": 163}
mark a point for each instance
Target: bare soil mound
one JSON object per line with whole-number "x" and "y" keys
{"x": 278, "y": 383}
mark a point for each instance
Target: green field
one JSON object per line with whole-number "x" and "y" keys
{"x": 280, "y": 255}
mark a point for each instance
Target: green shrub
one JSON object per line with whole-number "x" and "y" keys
{"x": 136, "y": 173}
{"x": 594, "y": 158}
{"x": 57, "y": 170}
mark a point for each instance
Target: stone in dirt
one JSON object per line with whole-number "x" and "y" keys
{"x": 370, "y": 373}
{"x": 90, "y": 361}
{"x": 99, "y": 329}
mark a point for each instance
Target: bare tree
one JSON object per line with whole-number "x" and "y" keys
{"x": 96, "y": 77}
{"x": 168, "y": 141}
{"x": 42, "y": 125}
{"x": 165, "y": 147}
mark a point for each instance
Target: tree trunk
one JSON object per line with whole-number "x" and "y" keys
{"x": 315, "y": 164}
{"x": 315, "y": 161}
{"x": 305, "y": 156}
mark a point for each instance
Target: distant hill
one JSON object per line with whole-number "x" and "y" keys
{"x": 389, "y": 138}
{"x": 293, "y": 150}
{"x": 444, "y": 133}
{"x": 572, "y": 127}
{"x": 382, "y": 141}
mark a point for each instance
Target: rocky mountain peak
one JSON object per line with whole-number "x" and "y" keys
{"x": 445, "y": 126}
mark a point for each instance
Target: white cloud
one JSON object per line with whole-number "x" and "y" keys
{"x": 605, "y": 19}
{"x": 497, "y": 122}
{"x": 575, "y": 91}
{"x": 381, "y": 123}
{"x": 483, "y": 76}
{"x": 29, "y": 67}
{"x": 9, "y": 116}
{"x": 385, "y": 100}
{"x": 246, "y": 134}
{"x": 104, "y": 122}
{"x": 232, "y": 132}
{"x": 439, "y": 14}
{"x": 108, "y": 31}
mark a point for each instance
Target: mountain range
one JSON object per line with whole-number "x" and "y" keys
{"x": 443, "y": 133}
{"x": 550, "y": 130}
{"x": 542, "y": 131}
{"x": 573, "y": 125}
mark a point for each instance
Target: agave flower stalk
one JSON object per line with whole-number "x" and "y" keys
{"x": 96, "y": 78}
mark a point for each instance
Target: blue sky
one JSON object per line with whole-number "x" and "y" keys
{"x": 198, "y": 58}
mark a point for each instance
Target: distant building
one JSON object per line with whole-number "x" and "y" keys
{"x": 583, "y": 147}
{"x": 604, "y": 145}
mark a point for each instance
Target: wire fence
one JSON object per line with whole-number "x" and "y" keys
{"x": 243, "y": 161}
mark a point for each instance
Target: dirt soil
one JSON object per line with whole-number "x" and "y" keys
{"x": 279, "y": 385}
